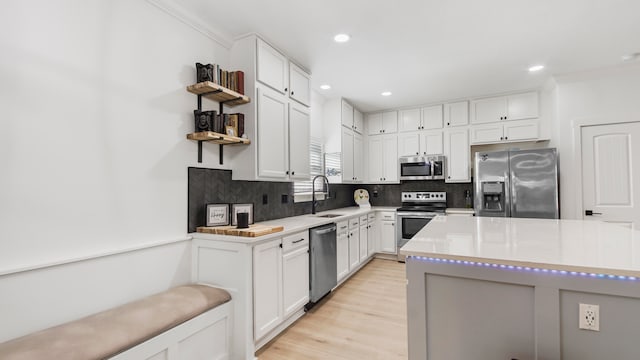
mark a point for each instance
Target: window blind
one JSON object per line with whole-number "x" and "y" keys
{"x": 317, "y": 167}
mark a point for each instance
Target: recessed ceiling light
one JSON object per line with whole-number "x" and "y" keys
{"x": 325, "y": 87}
{"x": 536, "y": 68}
{"x": 341, "y": 38}
{"x": 631, "y": 57}
{"x": 386, "y": 93}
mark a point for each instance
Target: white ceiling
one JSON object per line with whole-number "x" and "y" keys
{"x": 426, "y": 51}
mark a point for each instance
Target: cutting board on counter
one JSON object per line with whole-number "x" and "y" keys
{"x": 253, "y": 230}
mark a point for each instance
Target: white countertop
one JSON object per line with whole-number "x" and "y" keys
{"x": 571, "y": 245}
{"x": 295, "y": 224}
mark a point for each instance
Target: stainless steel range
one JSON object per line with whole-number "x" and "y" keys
{"x": 418, "y": 208}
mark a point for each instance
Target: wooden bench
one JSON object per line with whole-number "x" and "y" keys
{"x": 186, "y": 322}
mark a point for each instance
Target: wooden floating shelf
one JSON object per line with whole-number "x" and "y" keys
{"x": 218, "y": 138}
{"x": 218, "y": 93}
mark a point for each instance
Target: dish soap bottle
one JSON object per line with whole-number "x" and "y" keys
{"x": 467, "y": 198}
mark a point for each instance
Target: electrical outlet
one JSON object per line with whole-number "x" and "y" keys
{"x": 589, "y": 317}
{"x": 284, "y": 198}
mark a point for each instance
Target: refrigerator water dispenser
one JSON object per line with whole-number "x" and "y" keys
{"x": 493, "y": 196}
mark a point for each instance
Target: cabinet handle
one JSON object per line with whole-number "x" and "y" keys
{"x": 447, "y": 124}
{"x": 506, "y": 138}
{"x": 293, "y": 173}
{"x": 297, "y": 241}
{"x": 280, "y": 245}
{"x": 285, "y": 89}
{"x": 505, "y": 118}
{"x": 448, "y": 177}
{"x": 291, "y": 92}
{"x": 287, "y": 172}
{"x": 417, "y": 153}
{"x": 501, "y": 138}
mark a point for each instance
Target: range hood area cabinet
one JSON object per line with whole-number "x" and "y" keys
{"x": 278, "y": 122}
{"x": 343, "y": 126}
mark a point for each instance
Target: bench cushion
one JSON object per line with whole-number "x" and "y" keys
{"x": 107, "y": 333}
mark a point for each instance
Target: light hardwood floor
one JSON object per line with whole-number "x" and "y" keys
{"x": 365, "y": 318}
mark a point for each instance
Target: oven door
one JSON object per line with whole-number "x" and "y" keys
{"x": 409, "y": 223}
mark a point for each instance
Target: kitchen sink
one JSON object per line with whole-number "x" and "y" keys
{"x": 328, "y": 215}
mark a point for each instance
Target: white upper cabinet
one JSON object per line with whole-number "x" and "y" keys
{"x": 457, "y": 114}
{"x": 457, "y": 152}
{"x": 299, "y": 128}
{"x": 410, "y": 120}
{"x": 508, "y": 131}
{"x": 358, "y": 121}
{"x": 383, "y": 159}
{"x": 500, "y": 108}
{"x": 420, "y": 143}
{"x": 358, "y": 158}
{"x": 382, "y": 123}
{"x": 271, "y": 67}
{"x": 421, "y": 119}
{"x": 390, "y": 122}
{"x": 273, "y": 134}
{"x": 347, "y": 114}
{"x": 299, "y": 85}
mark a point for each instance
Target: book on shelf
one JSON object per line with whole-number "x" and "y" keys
{"x": 236, "y": 121}
{"x": 232, "y": 80}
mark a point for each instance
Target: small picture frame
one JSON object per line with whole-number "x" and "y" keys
{"x": 230, "y": 130}
{"x": 217, "y": 214}
{"x": 238, "y": 208}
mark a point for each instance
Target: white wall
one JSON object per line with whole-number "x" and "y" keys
{"x": 597, "y": 97}
{"x": 93, "y": 155}
{"x": 92, "y": 138}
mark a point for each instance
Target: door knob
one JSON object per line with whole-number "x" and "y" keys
{"x": 590, "y": 213}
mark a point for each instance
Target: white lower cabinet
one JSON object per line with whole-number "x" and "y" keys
{"x": 342, "y": 249}
{"x": 295, "y": 276}
{"x": 280, "y": 280}
{"x": 267, "y": 287}
{"x": 387, "y": 222}
{"x": 372, "y": 234}
{"x": 364, "y": 235}
{"x": 354, "y": 243}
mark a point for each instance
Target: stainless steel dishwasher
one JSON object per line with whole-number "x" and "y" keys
{"x": 323, "y": 273}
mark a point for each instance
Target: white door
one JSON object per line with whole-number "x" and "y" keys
{"x": 347, "y": 156}
{"x": 374, "y": 124}
{"x": 376, "y": 154}
{"x": 432, "y": 117}
{"x": 389, "y": 122}
{"x": 388, "y": 236}
{"x": 299, "y": 127}
{"x": 358, "y": 158}
{"x": 342, "y": 250}
{"x": 347, "y": 114}
{"x": 272, "y": 67}
{"x": 408, "y": 144}
{"x": 488, "y": 110}
{"x": 295, "y": 275}
{"x": 456, "y": 149}
{"x": 610, "y": 172}
{"x": 354, "y": 247}
{"x": 390, "y": 158}
{"x": 267, "y": 287}
{"x": 273, "y": 134}
{"x": 457, "y": 114}
{"x": 431, "y": 143}
{"x": 364, "y": 242}
{"x": 410, "y": 120}
{"x": 358, "y": 121}
{"x": 299, "y": 88}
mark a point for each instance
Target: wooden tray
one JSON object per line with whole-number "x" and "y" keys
{"x": 253, "y": 230}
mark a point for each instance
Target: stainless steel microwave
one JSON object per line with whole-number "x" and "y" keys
{"x": 422, "y": 167}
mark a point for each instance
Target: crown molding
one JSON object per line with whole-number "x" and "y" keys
{"x": 176, "y": 11}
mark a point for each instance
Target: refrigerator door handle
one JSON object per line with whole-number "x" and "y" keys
{"x": 510, "y": 189}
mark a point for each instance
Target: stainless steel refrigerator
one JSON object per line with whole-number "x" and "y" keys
{"x": 522, "y": 183}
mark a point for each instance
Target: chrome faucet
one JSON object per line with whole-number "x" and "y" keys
{"x": 314, "y": 203}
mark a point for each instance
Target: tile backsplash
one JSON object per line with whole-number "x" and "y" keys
{"x": 214, "y": 186}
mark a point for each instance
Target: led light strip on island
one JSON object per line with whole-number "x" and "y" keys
{"x": 524, "y": 268}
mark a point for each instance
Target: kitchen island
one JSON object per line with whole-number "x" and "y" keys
{"x": 508, "y": 288}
